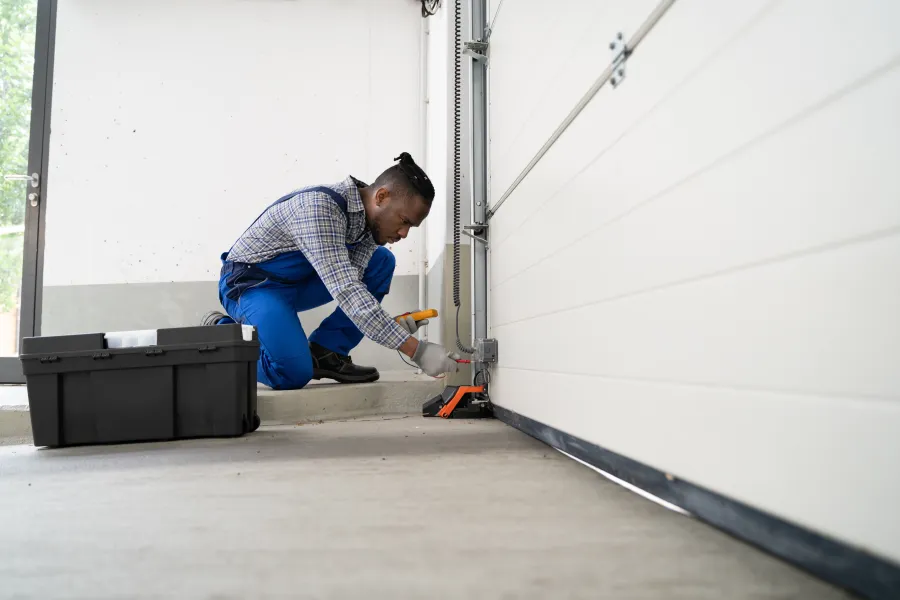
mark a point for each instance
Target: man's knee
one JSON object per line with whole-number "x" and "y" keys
{"x": 289, "y": 374}
{"x": 380, "y": 271}
{"x": 383, "y": 261}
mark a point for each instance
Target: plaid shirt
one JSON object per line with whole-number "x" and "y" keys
{"x": 314, "y": 224}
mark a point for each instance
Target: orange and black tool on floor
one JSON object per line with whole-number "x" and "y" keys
{"x": 456, "y": 401}
{"x": 459, "y": 402}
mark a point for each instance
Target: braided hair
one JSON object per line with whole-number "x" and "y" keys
{"x": 406, "y": 175}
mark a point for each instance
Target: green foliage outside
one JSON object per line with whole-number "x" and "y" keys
{"x": 17, "y": 30}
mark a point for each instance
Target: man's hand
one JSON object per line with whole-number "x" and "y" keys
{"x": 410, "y": 324}
{"x": 435, "y": 360}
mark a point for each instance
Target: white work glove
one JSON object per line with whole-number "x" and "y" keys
{"x": 410, "y": 324}
{"x": 435, "y": 360}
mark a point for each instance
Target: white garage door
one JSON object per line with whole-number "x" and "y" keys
{"x": 703, "y": 273}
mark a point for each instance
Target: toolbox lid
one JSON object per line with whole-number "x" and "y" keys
{"x": 90, "y": 342}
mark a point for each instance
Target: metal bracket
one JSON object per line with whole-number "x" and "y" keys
{"x": 476, "y": 238}
{"x": 620, "y": 54}
{"x": 476, "y": 49}
{"x": 479, "y": 233}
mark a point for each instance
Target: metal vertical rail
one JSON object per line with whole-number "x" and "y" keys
{"x": 479, "y": 171}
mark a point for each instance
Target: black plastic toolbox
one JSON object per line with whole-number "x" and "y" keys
{"x": 194, "y": 382}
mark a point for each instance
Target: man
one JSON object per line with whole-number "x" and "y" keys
{"x": 322, "y": 243}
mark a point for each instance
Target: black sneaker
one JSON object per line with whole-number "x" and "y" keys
{"x": 212, "y": 318}
{"x": 331, "y": 365}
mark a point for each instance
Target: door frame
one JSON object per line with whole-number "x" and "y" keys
{"x": 38, "y": 162}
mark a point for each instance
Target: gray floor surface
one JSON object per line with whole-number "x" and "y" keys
{"x": 375, "y": 508}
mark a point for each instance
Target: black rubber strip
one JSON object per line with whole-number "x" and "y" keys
{"x": 828, "y": 559}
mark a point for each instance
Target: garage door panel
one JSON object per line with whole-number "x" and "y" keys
{"x": 776, "y": 451}
{"x": 826, "y": 323}
{"x": 777, "y": 198}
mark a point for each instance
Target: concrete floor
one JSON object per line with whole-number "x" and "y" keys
{"x": 403, "y": 507}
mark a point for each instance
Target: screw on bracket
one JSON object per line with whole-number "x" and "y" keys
{"x": 619, "y": 55}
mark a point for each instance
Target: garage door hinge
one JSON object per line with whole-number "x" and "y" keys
{"x": 477, "y": 49}
{"x": 620, "y": 52}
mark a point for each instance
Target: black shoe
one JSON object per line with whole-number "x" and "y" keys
{"x": 331, "y": 365}
{"x": 212, "y": 318}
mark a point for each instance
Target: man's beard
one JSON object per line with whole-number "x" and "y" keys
{"x": 373, "y": 227}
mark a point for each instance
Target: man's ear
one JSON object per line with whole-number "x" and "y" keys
{"x": 381, "y": 196}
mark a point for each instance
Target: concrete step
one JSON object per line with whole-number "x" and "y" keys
{"x": 394, "y": 393}
{"x": 15, "y": 425}
{"x": 400, "y": 392}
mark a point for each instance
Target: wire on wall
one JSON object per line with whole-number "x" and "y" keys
{"x": 457, "y": 163}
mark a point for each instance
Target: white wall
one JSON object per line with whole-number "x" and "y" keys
{"x": 704, "y": 272}
{"x": 439, "y": 151}
{"x": 175, "y": 123}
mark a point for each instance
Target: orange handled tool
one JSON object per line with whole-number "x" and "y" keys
{"x": 420, "y": 315}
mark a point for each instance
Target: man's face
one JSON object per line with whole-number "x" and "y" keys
{"x": 393, "y": 216}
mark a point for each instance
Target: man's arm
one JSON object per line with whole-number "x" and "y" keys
{"x": 319, "y": 231}
{"x": 409, "y": 347}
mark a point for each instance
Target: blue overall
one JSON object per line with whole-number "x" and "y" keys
{"x": 268, "y": 295}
